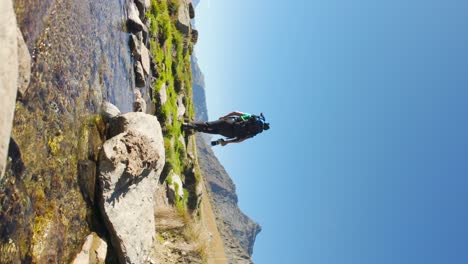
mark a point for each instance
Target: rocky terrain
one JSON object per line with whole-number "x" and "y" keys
{"x": 89, "y": 152}
{"x": 94, "y": 165}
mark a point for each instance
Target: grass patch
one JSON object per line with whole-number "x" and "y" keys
{"x": 171, "y": 51}
{"x": 169, "y": 48}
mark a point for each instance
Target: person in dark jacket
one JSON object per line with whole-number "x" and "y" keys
{"x": 235, "y": 126}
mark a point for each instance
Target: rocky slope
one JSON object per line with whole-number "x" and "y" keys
{"x": 85, "y": 179}
{"x": 198, "y": 87}
{"x": 77, "y": 178}
{"x": 237, "y": 229}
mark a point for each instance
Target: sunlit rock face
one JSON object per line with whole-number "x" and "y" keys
{"x": 8, "y": 76}
{"x": 130, "y": 164}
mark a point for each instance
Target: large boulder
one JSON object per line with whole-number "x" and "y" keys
{"x": 94, "y": 251}
{"x": 8, "y": 76}
{"x": 130, "y": 164}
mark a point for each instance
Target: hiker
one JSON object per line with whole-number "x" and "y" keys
{"x": 235, "y": 126}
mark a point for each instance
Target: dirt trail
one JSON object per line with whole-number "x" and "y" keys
{"x": 215, "y": 249}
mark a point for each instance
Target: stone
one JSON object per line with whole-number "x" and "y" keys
{"x": 194, "y": 37}
{"x": 139, "y": 105}
{"x": 145, "y": 35}
{"x": 140, "y": 53}
{"x": 141, "y": 122}
{"x": 24, "y": 61}
{"x": 8, "y": 76}
{"x": 163, "y": 94}
{"x": 135, "y": 45}
{"x": 94, "y": 251}
{"x": 183, "y": 22}
{"x": 145, "y": 59}
{"x": 180, "y": 107}
{"x": 142, "y": 6}
{"x": 134, "y": 21}
{"x": 129, "y": 168}
{"x": 109, "y": 111}
{"x": 154, "y": 68}
{"x": 175, "y": 187}
{"x": 191, "y": 11}
{"x": 139, "y": 75}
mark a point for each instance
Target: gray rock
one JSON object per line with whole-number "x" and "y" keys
{"x": 8, "y": 76}
{"x": 109, "y": 111}
{"x": 175, "y": 187}
{"x": 141, "y": 122}
{"x": 134, "y": 21}
{"x": 145, "y": 59}
{"x": 24, "y": 61}
{"x": 140, "y": 53}
{"x": 163, "y": 94}
{"x": 139, "y": 105}
{"x": 183, "y": 23}
{"x": 180, "y": 107}
{"x": 135, "y": 45}
{"x": 145, "y": 35}
{"x": 129, "y": 168}
{"x": 94, "y": 251}
{"x": 139, "y": 75}
{"x": 142, "y": 6}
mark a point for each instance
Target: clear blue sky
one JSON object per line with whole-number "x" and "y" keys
{"x": 366, "y": 161}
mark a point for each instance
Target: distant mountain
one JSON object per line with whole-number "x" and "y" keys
{"x": 237, "y": 229}
{"x": 198, "y": 86}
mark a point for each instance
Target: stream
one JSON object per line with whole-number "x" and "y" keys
{"x": 80, "y": 57}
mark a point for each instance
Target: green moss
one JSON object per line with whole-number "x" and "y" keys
{"x": 171, "y": 51}
{"x": 169, "y": 180}
{"x": 159, "y": 238}
{"x": 54, "y": 144}
{"x": 41, "y": 227}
